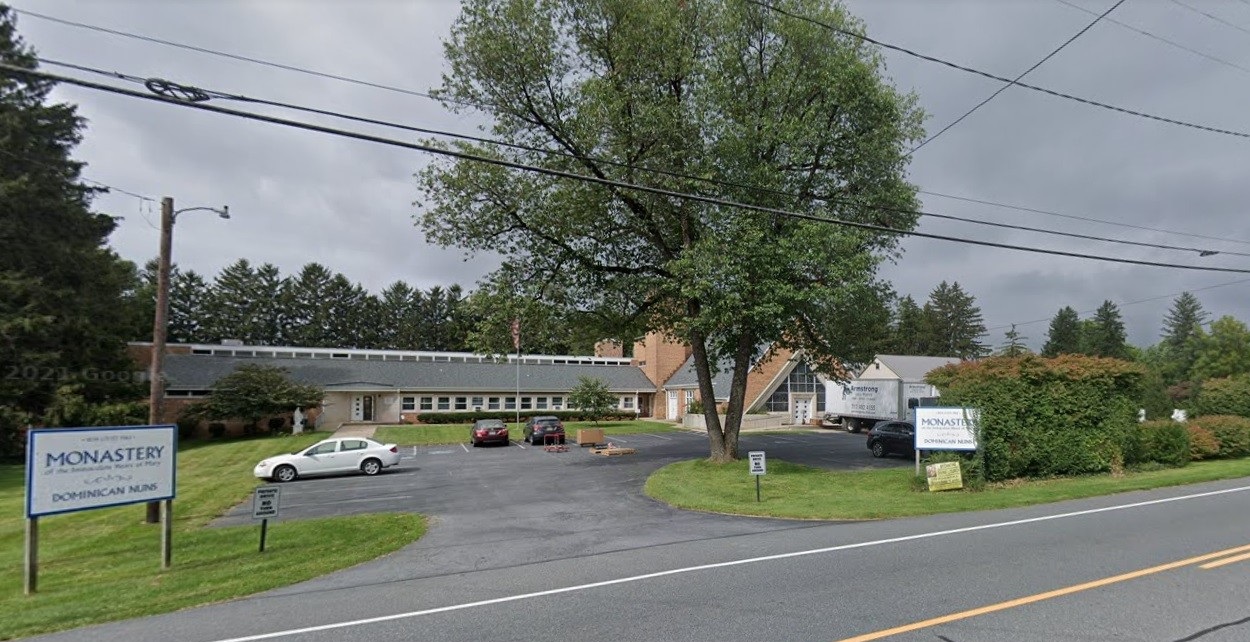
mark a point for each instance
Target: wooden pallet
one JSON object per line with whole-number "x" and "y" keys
{"x": 613, "y": 451}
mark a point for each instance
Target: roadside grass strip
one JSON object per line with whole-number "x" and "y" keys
{"x": 102, "y": 565}
{"x": 802, "y": 492}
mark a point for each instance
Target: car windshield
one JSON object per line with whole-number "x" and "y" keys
{"x": 490, "y": 424}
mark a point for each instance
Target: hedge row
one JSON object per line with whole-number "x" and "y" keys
{"x": 511, "y": 415}
{"x": 1070, "y": 415}
{"x": 1230, "y": 434}
{"x": 1162, "y": 442}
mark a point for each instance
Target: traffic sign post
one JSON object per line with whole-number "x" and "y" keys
{"x": 759, "y": 468}
{"x": 264, "y": 506}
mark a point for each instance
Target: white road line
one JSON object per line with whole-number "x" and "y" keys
{"x": 518, "y": 445}
{"x": 658, "y": 436}
{"x": 466, "y": 448}
{"x": 741, "y": 562}
{"x": 615, "y": 438}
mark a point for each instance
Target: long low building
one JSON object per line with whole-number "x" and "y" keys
{"x": 398, "y": 386}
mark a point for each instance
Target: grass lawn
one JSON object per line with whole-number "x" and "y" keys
{"x": 424, "y": 435}
{"x": 101, "y": 565}
{"x": 800, "y": 492}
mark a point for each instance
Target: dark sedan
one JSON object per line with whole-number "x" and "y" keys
{"x": 892, "y": 438}
{"x": 487, "y": 431}
{"x": 544, "y": 429}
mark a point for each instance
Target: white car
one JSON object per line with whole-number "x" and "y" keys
{"x": 343, "y": 455}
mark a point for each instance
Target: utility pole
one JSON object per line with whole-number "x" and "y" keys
{"x": 160, "y": 325}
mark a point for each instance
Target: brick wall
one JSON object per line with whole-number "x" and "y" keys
{"x": 609, "y": 348}
{"x": 659, "y": 357}
{"x": 759, "y": 380}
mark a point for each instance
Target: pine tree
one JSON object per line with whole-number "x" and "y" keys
{"x": 237, "y": 301}
{"x": 909, "y": 335}
{"x": 305, "y": 307}
{"x": 955, "y": 323}
{"x": 1106, "y": 336}
{"x": 67, "y": 302}
{"x": 1181, "y": 328}
{"x": 190, "y": 310}
{"x": 1014, "y": 343}
{"x": 1064, "y": 336}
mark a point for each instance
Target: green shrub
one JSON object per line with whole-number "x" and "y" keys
{"x": 1232, "y": 433}
{"x": 217, "y": 430}
{"x": 276, "y": 424}
{"x": 1163, "y": 442}
{"x": 695, "y": 407}
{"x": 1226, "y": 396}
{"x": 187, "y": 427}
{"x": 1070, "y": 415}
{"x": 1202, "y": 443}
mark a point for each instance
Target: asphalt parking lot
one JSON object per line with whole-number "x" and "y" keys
{"x": 507, "y": 505}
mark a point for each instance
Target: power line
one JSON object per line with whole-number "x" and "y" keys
{"x": 79, "y": 177}
{"x": 231, "y": 96}
{"x": 1017, "y": 78}
{"x": 1146, "y": 300}
{"x": 225, "y": 54}
{"x": 1212, "y": 17}
{"x": 986, "y": 74}
{"x": 478, "y": 105}
{"x": 498, "y": 162}
{"x": 1090, "y": 219}
{"x": 1159, "y": 38}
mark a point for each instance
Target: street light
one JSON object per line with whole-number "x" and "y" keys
{"x": 160, "y": 324}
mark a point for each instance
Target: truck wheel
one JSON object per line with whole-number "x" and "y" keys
{"x": 852, "y": 426}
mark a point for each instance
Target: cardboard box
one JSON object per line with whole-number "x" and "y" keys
{"x": 590, "y": 436}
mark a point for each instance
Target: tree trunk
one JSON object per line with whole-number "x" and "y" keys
{"x": 702, "y": 367}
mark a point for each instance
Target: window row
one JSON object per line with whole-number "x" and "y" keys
{"x": 413, "y": 403}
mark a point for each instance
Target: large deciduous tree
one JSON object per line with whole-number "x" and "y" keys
{"x": 1224, "y": 352}
{"x": 67, "y": 302}
{"x": 776, "y": 111}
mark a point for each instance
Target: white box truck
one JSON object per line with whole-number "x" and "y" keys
{"x": 857, "y": 404}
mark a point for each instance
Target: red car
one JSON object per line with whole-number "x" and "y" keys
{"x": 485, "y": 431}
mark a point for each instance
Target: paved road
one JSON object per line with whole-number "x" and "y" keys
{"x": 670, "y": 575}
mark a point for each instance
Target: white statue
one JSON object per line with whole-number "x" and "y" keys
{"x": 297, "y": 422}
{"x": 1179, "y": 415}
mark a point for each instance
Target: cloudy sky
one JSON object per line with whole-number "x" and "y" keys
{"x": 297, "y": 197}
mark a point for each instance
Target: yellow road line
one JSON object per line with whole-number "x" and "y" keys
{"x": 1002, "y": 606}
{"x": 1239, "y": 558}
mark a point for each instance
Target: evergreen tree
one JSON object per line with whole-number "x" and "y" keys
{"x": 909, "y": 334}
{"x": 1181, "y": 328}
{"x": 346, "y": 306}
{"x": 305, "y": 306}
{"x": 954, "y": 322}
{"x": 396, "y": 316}
{"x": 1064, "y": 335}
{"x": 236, "y": 299}
{"x": 1106, "y": 336}
{"x": 190, "y": 310}
{"x": 1014, "y": 343}
{"x": 67, "y": 302}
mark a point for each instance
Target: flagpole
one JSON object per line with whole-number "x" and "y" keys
{"x": 516, "y": 341}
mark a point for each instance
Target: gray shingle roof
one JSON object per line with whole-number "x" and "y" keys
{"x": 200, "y": 372}
{"x": 912, "y": 368}
{"x": 685, "y": 377}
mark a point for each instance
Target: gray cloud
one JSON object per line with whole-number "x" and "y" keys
{"x": 301, "y": 197}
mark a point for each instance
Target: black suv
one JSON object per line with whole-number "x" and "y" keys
{"x": 892, "y": 437}
{"x": 544, "y": 429}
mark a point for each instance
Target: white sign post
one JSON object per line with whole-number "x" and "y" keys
{"x": 945, "y": 429}
{"x": 759, "y": 467}
{"x": 264, "y": 506}
{"x": 73, "y": 469}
